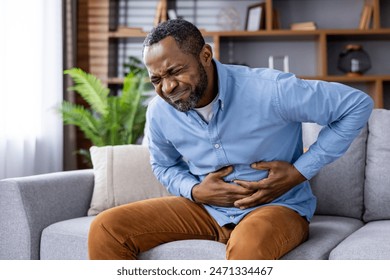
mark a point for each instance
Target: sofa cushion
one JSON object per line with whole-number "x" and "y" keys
{"x": 339, "y": 186}
{"x": 186, "y": 250}
{"x": 377, "y": 183}
{"x": 66, "y": 240}
{"x": 371, "y": 242}
{"x": 325, "y": 233}
{"x": 122, "y": 174}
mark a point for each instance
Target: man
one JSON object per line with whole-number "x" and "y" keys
{"x": 226, "y": 142}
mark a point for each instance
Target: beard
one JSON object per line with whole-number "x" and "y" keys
{"x": 195, "y": 95}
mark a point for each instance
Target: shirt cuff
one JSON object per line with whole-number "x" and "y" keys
{"x": 307, "y": 165}
{"x": 186, "y": 187}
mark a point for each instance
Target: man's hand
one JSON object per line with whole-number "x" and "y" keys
{"x": 214, "y": 190}
{"x": 282, "y": 176}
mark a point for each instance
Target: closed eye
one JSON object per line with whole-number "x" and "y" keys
{"x": 176, "y": 71}
{"x": 171, "y": 72}
{"x": 155, "y": 81}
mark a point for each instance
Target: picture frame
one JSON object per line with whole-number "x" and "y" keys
{"x": 279, "y": 62}
{"x": 255, "y": 17}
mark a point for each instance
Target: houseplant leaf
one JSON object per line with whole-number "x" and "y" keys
{"x": 90, "y": 88}
{"x": 74, "y": 114}
{"x": 109, "y": 119}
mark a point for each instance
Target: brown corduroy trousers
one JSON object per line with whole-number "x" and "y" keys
{"x": 123, "y": 232}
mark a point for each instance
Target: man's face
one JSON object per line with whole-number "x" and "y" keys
{"x": 179, "y": 78}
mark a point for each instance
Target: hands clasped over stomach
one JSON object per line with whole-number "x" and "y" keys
{"x": 213, "y": 190}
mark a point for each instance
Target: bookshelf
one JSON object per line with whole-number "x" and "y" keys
{"x": 320, "y": 47}
{"x": 108, "y": 27}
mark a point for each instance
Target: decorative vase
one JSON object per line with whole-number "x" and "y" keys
{"x": 353, "y": 60}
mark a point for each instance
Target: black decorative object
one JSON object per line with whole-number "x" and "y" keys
{"x": 354, "y": 60}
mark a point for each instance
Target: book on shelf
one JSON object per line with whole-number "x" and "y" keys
{"x": 308, "y": 25}
{"x": 276, "y": 19}
{"x": 366, "y": 16}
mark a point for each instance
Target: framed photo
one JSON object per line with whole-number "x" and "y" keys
{"x": 279, "y": 62}
{"x": 255, "y": 17}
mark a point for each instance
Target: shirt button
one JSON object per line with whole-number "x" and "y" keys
{"x": 217, "y": 146}
{"x": 232, "y": 217}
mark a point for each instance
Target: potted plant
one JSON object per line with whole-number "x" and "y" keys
{"x": 108, "y": 119}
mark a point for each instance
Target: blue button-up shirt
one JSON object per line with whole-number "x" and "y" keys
{"x": 257, "y": 117}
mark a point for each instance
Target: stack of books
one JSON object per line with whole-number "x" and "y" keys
{"x": 308, "y": 25}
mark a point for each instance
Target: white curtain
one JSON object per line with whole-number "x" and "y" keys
{"x": 30, "y": 87}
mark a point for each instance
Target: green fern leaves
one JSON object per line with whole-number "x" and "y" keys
{"x": 108, "y": 119}
{"x": 91, "y": 89}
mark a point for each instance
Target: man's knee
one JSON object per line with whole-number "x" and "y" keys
{"x": 267, "y": 233}
{"x": 250, "y": 242}
{"x": 103, "y": 220}
{"x": 105, "y": 239}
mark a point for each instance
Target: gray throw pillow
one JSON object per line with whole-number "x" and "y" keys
{"x": 339, "y": 185}
{"x": 377, "y": 185}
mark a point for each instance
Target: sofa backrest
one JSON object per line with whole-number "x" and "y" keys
{"x": 377, "y": 182}
{"x": 339, "y": 186}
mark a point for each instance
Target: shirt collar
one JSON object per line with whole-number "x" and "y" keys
{"x": 222, "y": 80}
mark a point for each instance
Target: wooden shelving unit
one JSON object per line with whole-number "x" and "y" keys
{"x": 324, "y": 40}
{"x": 312, "y": 53}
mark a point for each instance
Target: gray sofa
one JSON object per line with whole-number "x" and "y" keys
{"x": 45, "y": 216}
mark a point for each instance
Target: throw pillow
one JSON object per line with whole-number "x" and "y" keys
{"x": 377, "y": 184}
{"x": 122, "y": 175}
{"x": 339, "y": 185}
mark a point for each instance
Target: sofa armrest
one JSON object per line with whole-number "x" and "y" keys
{"x": 30, "y": 204}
